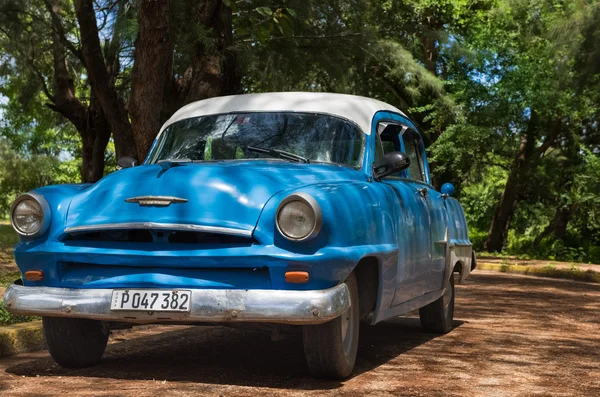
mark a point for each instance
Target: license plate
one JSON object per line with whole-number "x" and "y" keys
{"x": 151, "y": 300}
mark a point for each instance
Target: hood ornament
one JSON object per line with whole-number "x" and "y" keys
{"x": 156, "y": 201}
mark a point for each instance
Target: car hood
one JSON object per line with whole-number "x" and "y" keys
{"x": 219, "y": 195}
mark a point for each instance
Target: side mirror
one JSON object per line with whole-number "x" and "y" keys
{"x": 447, "y": 189}
{"x": 392, "y": 163}
{"x": 126, "y": 162}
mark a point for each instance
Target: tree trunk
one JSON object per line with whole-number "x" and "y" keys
{"x": 505, "y": 209}
{"x": 152, "y": 72}
{"x": 499, "y": 227}
{"x": 101, "y": 82}
{"x": 558, "y": 225}
{"x": 213, "y": 68}
{"x": 526, "y": 158}
{"x": 156, "y": 94}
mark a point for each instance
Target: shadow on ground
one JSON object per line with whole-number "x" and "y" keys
{"x": 221, "y": 355}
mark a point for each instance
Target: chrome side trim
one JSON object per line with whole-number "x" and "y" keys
{"x": 160, "y": 226}
{"x": 208, "y": 305}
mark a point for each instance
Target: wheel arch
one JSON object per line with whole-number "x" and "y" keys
{"x": 458, "y": 267}
{"x": 459, "y": 260}
{"x": 367, "y": 272}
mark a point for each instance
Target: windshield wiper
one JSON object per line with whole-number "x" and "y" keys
{"x": 279, "y": 153}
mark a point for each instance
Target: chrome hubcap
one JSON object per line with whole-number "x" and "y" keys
{"x": 347, "y": 330}
{"x": 447, "y": 298}
{"x": 345, "y": 323}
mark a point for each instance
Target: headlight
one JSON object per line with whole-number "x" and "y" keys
{"x": 30, "y": 215}
{"x": 299, "y": 217}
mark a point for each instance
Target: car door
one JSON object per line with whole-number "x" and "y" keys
{"x": 413, "y": 235}
{"x": 419, "y": 181}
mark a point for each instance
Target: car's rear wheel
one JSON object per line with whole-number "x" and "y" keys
{"x": 75, "y": 342}
{"x": 438, "y": 315}
{"x": 330, "y": 348}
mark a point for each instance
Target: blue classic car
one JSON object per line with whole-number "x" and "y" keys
{"x": 306, "y": 210}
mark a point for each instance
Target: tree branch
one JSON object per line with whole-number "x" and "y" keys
{"x": 56, "y": 23}
{"x": 102, "y": 85}
{"x": 555, "y": 129}
{"x": 5, "y": 32}
{"x": 44, "y": 85}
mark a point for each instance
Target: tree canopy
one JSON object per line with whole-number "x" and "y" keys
{"x": 505, "y": 92}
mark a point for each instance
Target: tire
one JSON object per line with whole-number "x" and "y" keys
{"x": 437, "y": 316}
{"x": 75, "y": 342}
{"x": 330, "y": 350}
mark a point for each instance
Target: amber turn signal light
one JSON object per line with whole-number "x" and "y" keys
{"x": 34, "y": 275}
{"x": 296, "y": 277}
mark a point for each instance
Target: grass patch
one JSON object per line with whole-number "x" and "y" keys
{"x": 572, "y": 273}
{"x": 8, "y": 237}
{"x": 7, "y": 277}
{"x": 21, "y": 338}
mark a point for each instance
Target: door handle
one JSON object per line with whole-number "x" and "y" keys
{"x": 423, "y": 191}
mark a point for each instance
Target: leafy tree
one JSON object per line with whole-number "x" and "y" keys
{"x": 527, "y": 115}
{"x": 21, "y": 174}
{"x": 506, "y": 92}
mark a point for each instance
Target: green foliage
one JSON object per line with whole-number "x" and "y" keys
{"x": 552, "y": 249}
{"x": 7, "y": 318}
{"x": 479, "y": 196}
{"x": 19, "y": 174}
{"x": 477, "y": 238}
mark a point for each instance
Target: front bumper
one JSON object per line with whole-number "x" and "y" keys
{"x": 208, "y": 305}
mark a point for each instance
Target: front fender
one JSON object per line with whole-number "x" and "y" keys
{"x": 358, "y": 221}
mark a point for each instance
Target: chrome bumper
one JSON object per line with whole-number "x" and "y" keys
{"x": 208, "y": 305}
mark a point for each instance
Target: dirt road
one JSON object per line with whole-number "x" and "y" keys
{"x": 514, "y": 336}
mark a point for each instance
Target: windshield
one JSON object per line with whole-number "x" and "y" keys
{"x": 301, "y": 137}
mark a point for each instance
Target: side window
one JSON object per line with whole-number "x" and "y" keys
{"x": 388, "y": 141}
{"x": 411, "y": 146}
{"x": 389, "y": 134}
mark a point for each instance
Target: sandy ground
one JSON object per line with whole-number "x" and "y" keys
{"x": 514, "y": 336}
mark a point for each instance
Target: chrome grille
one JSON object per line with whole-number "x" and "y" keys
{"x": 162, "y": 236}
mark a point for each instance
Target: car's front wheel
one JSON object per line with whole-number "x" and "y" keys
{"x": 330, "y": 348}
{"x": 75, "y": 342}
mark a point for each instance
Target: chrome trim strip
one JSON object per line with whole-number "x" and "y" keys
{"x": 160, "y": 226}
{"x": 208, "y": 305}
{"x": 162, "y": 201}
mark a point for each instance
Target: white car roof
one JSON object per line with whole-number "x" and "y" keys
{"x": 355, "y": 108}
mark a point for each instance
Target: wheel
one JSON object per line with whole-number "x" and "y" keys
{"x": 75, "y": 342}
{"x": 437, "y": 316}
{"x": 330, "y": 348}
